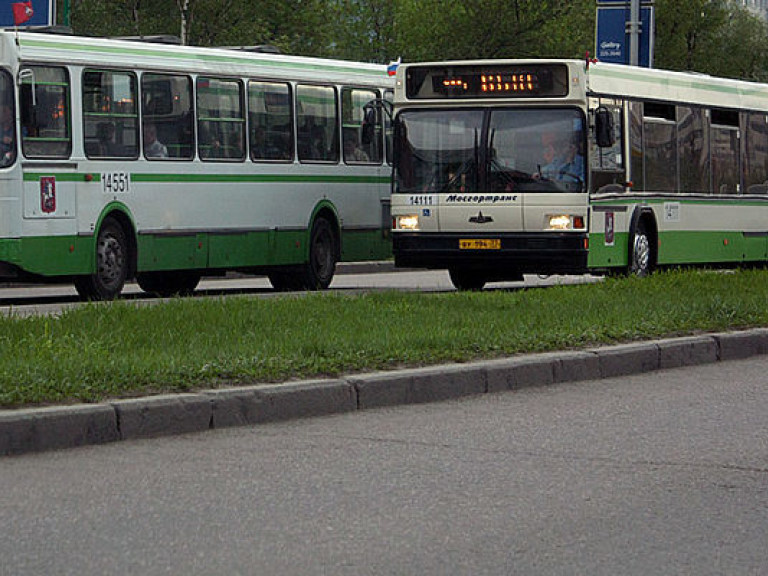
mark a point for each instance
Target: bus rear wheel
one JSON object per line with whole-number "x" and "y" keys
{"x": 323, "y": 255}
{"x": 464, "y": 279}
{"x": 112, "y": 264}
{"x": 165, "y": 284}
{"x": 641, "y": 255}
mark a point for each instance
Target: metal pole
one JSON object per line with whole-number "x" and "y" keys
{"x": 634, "y": 32}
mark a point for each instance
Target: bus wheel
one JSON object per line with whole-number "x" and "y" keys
{"x": 165, "y": 284}
{"x": 323, "y": 255}
{"x": 640, "y": 261}
{"x": 112, "y": 261}
{"x": 466, "y": 279}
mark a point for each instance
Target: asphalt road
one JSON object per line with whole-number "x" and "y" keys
{"x": 362, "y": 277}
{"x": 660, "y": 473}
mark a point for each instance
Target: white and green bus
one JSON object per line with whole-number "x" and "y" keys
{"x": 124, "y": 159}
{"x": 559, "y": 167}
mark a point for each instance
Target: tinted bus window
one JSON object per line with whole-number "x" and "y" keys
{"x": 359, "y": 148}
{"x": 318, "y": 133}
{"x": 110, "y": 114}
{"x": 45, "y": 115}
{"x": 167, "y": 116}
{"x": 220, "y": 119}
{"x": 270, "y": 121}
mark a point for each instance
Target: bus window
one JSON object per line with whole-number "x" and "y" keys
{"x": 167, "y": 116}
{"x": 756, "y": 158}
{"x": 693, "y": 150}
{"x": 636, "y": 161}
{"x": 270, "y": 121}
{"x": 436, "y": 151}
{"x": 660, "y": 151}
{"x": 220, "y": 119}
{"x": 7, "y": 121}
{"x": 536, "y": 149}
{"x": 724, "y": 136}
{"x": 110, "y": 114}
{"x": 318, "y": 134}
{"x": 606, "y": 163}
{"x": 45, "y": 121}
{"x": 356, "y": 150}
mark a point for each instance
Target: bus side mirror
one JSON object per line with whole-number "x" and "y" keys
{"x": 604, "y": 134}
{"x": 369, "y": 127}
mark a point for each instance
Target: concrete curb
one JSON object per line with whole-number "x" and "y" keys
{"x": 39, "y": 429}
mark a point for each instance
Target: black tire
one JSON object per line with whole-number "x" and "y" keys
{"x": 467, "y": 280}
{"x": 112, "y": 264}
{"x": 165, "y": 284}
{"x": 640, "y": 252}
{"x": 317, "y": 273}
{"x": 323, "y": 255}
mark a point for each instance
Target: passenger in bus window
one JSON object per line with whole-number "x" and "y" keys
{"x": 7, "y": 136}
{"x": 153, "y": 148}
{"x": 352, "y": 150}
{"x": 105, "y": 132}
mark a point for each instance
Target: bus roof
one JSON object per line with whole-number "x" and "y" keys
{"x": 691, "y": 88}
{"x": 43, "y": 48}
{"x": 601, "y": 78}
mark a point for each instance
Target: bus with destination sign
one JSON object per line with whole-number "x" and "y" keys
{"x": 503, "y": 168}
{"x": 122, "y": 159}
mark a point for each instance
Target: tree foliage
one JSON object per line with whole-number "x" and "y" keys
{"x": 718, "y": 37}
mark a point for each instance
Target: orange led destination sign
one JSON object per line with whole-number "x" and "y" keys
{"x": 492, "y": 81}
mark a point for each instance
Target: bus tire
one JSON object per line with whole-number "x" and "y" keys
{"x": 640, "y": 251}
{"x": 166, "y": 284}
{"x": 112, "y": 264}
{"x": 323, "y": 255}
{"x": 463, "y": 279}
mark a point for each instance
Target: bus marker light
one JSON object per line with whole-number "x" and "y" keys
{"x": 89, "y": 177}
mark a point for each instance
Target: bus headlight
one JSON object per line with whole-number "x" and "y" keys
{"x": 406, "y": 222}
{"x": 565, "y": 222}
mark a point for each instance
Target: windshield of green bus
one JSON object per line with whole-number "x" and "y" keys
{"x": 7, "y": 121}
{"x": 490, "y": 150}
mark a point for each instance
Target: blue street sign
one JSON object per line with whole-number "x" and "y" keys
{"x": 612, "y": 38}
{"x": 44, "y": 13}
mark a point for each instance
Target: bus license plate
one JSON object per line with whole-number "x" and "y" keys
{"x": 480, "y": 244}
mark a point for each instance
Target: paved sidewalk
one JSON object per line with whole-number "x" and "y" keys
{"x": 38, "y": 429}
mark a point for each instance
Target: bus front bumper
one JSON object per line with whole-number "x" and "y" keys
{"x": 532, "y": 253}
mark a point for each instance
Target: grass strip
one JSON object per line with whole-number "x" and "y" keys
{"x": 100, "y": 351}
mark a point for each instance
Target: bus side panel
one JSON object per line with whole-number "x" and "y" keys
{"x": 49, "y": 255}
{"x": 609, "y": 235}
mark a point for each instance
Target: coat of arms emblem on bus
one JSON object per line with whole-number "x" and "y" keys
{"x": 48, "y": 194}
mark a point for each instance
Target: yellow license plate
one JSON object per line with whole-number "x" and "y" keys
{"x": 480, "y": 244}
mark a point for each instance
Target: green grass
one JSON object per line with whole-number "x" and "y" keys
{"x": 100, "y": 351}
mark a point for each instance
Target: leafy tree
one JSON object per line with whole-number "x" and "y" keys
{"x": 717, "y": 37}
{"x": 458, "y": 29}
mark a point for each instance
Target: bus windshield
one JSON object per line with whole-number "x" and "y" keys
{"x": 498, "y": 150}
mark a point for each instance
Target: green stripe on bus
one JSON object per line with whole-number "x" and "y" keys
{"x": 207, "y": 178}
{"x": 233, "y": 178}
